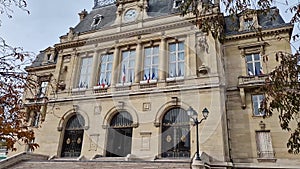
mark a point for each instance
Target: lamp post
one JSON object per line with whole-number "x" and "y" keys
{"x": 194, "y": 117}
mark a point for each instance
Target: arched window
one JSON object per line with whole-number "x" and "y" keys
{"x": 119, "y": 135}
{"x": 121, "y": 119}
{"x": 73, "y": 136}
{"x": 175, "y": 134}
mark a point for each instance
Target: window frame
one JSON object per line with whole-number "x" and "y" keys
{"x": 260, "y": 97}
{"x": 177, "y": 3}
{"x": 253, "y": 62}
{"x": 264, "y": 144}
{"x": 177, "y": 60}
{"x": 151, "y": 66}
{"x": 106, "y": 70}
{"x": 126, "y": 62}
{"x": 88, "y": 67}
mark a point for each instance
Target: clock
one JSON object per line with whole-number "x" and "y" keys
{"x": 130, "y": 15}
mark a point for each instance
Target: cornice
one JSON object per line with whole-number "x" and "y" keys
{"x": 39, "y": 68}
{"x": 70, "y": 44}
{"x": 136, "y": 32}
{"x": 263, "y": 33}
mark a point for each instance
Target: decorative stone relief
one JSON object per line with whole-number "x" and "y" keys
{"x": 146, "y": 137}
{"x": 202, "y": 48}
{"x": 146, "y": 106}
{"x": 94, "y": 138}
{"x": 97, "y": 110}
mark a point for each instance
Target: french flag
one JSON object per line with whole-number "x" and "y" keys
{"x": 124, "y": 74}
{"x": 103, "y": 83}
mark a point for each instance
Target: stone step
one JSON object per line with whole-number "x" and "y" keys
{"x": 100, "y": 165}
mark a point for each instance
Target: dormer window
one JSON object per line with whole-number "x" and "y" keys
{"x": 248, "y": 20}
{"x": 96, "y": 20}
{"x": 177, "y": 3}
{"x": 248, "y": 24}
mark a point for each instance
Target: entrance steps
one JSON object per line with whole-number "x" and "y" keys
{"x": 99, "y": 163}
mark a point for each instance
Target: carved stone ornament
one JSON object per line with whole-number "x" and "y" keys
{"x": 203, "y": 69}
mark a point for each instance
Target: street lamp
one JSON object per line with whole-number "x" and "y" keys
{"x": 194, "y": 117}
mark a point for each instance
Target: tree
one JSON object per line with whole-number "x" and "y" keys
{"x": 13, "y": 82}
{"x": 282, "y": 87}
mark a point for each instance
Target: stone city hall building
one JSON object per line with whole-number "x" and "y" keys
{"x": 118, "y": 87}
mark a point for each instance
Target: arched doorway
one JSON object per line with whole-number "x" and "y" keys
{"x": 175, "y": 134}
{"x": 73, "y": 136}
{"x": 119, "y": 135}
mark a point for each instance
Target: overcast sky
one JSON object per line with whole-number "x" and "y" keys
{"x": 47, "y": 21}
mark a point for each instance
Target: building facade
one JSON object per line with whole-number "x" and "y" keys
{"x": 120, "y": 83}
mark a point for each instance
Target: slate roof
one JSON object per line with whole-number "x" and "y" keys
{"x": 160, "y": 8}
{"x": 267, "y": 20}
{"x": 155, "y": 8}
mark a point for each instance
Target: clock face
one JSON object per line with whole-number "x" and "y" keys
{"x": 130, "y": 15}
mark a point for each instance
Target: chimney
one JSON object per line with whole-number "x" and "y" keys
{"x": 82, "y": 14}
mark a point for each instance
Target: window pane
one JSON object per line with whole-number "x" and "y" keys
{"x": 257, "y": 68}
{"x": 131, "y": 63}
{"x": 256, "y": 102}
{"x": 256, "y": 57}
{"x": 155, "y": 60}
{"x": 155, "y": 50}
{"x": 172, "y": 71}
{"x": 102, "y": 67}
{"x": 132, "y": 54}
{"x": 147, "y": 61}
{"x": 110, "y": 58}
{"x": 109, "y": 66}
{"x": 85, "y": 71}
{"x": 172, "y": 47}
{"x": 146, "y": 73}
{"x": 147, "y": 51}
{"x": 181, "y": 56}
{"x": 180, "y": 46}
{"x": 172, "y": 57}
{"x": 180, "y": 69}
{"x": 248, "y": 58}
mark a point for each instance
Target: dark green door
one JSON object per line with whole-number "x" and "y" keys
{"x": 119, "y": 135}
{"x": 175, "y": 134}
{"x": 119, "y": 144}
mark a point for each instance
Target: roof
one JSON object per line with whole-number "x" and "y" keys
{"x": 267, "y": 20}
{"x": 158, "y": 8}
{"x": 155, "y": 8}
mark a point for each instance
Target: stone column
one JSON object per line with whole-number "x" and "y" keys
{"x": 191, "y": 61}
{"x": 138, "y": 62}
{"x": 116, "y": 67}
{"x": 58, "y": 68}
{"x": 94, "y": 72}
{"x": 162, "y": 66}
{"x": 74, "y": 65}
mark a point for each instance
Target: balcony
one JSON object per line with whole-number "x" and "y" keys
{"x": 251, "y": 81}
{"x": 266, "y": 156}
{"x": 37, "y": 101}
{"x": 248, "y": 82}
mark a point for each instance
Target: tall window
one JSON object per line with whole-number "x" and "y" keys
{"x": 254, "y": 64}
{"x": 176, "y": 59}
{"x": 256, "y": 102}
{"x": 85, "y": 72}
{"x": 264, "y": 144}
{"x": 43, "y": 89}
{"x": 151, "y": 63}
{"x": 105, "y": 70}
{"x": 127, "y": 66}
